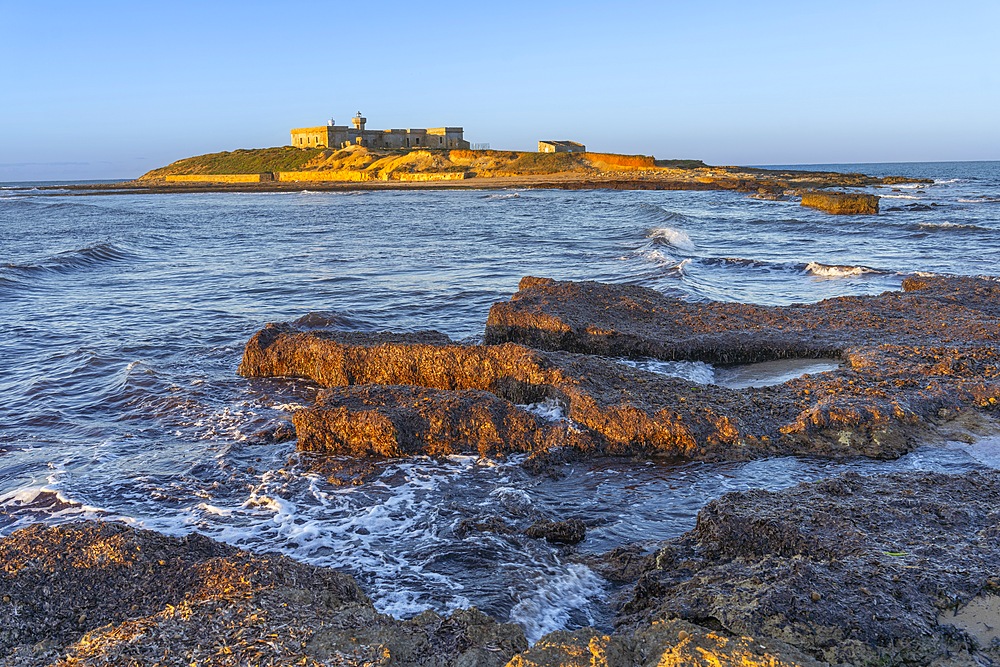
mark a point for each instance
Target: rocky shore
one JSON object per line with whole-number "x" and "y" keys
{"x": 897, "y": 569}
{"x": 887, "y": 570}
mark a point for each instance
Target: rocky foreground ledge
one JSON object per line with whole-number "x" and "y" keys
{"x": 888, "y": 570}
{"x": 912, "y": 360}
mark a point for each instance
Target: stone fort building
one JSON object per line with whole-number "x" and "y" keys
{"x": 332, "y": 135}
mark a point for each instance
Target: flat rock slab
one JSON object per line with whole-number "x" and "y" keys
{"x": 841, "y": 203}
{"x": 859, "y": 570}
{"x": 911, "y": 360}
{"x": 102, "y": 593}
{"x": 631, "y": 321}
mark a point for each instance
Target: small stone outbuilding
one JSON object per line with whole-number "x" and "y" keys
{"x": 561, "y": 147}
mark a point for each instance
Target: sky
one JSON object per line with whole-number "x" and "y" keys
{"x": 94, "y": 90}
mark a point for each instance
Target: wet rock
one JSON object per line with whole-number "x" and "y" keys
{"x": 841, "y": 203}
{"x": 613, "y": 408}
{"x": 493, "y": 524}
{"x": 918, "y": 207}
{"x": 277, "y": 431}
{"x": 101, "y": 593}
{"x": 909, "y": 355}
{"x": 570, "y": 531}
{"x": 623, "y": 564}
{"x": 664, "y": 644}
{"x": 855, "y": 570}
{"x": 394, "y": 420}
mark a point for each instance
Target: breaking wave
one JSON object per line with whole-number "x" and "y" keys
{"x": 838, "y": 271}
{"x": 980, "y": 200}
{"x": 672, "y": 237}
{"x": 951, "y": 226}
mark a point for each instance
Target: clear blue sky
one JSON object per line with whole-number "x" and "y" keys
{"x": 112, "y": 89}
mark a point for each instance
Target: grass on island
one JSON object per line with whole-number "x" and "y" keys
{"x": 383, "y": 163}
{"x": 241, "y": 161}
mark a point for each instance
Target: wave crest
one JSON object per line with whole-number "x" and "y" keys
{"x": 671, "y": 236}
{"x": 838, "y": 270}
{"x": 70, "y": 260}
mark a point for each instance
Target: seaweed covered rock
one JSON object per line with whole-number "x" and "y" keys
{"x": 103, "y": 593}
{"x": 911, "y": 360}
{"x": 570, "y": 531}
{"x": 631, "y": 321}
{"x": 393, "y": 420}
{"x": 859, "y": 570}
{"x": 841, "y": 203}
{"x": 663, "y": 644}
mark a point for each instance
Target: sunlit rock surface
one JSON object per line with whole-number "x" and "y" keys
{"x": 104, "y": 593}
{"x": 912, "y": 360}
{"x": 841, "y": 203}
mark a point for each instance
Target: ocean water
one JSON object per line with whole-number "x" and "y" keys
{"x": 124, "y": 317}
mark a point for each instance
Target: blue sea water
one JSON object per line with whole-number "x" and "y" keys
{"x": 124, "y": 317}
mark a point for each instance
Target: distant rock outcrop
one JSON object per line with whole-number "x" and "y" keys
{"x": 842, "y": 203}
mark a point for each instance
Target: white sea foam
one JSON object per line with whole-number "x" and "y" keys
{"x": 900, "y": 197}
{"x": 671, "y": 236}
{"x": 550, "y": 410}
{"x": 663, "y": 261}
{"x": 288, "y": 407}
{"x": 46, "y": 502}
{"x": 949, "y": 225}
{"x": 223, "y": 424}
{"x": 692, "y": 371}
{"x": 503, "y": 195}
{"x": 560, "y": 596}
{"x": 837, "y": 271}
{"x": 516, "y": 502}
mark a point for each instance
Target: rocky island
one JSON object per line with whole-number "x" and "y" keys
{"x": 359, "y": 167}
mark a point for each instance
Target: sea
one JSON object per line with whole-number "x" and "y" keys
{"x": 123, "y": 318}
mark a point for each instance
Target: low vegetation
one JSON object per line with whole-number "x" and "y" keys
{"x": 242, "y": 161}
{"x": 383, "y": 163}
